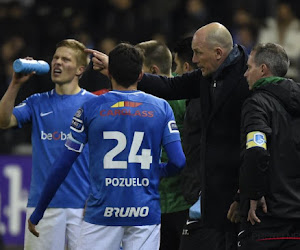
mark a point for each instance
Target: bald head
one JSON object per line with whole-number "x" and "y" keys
{"x": 216, "y": 34}
{"x": 211, "y": 44}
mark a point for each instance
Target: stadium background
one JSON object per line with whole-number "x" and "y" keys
{"x": 32, "y": 28}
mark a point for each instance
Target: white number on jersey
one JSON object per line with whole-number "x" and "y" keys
{"x": 145, "y": 159}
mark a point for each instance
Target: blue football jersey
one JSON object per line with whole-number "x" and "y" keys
{"x": 51, "y": 115}
{"x": 125, "y": 131}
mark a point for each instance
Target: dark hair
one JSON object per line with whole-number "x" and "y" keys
{"x": 125, "y": 64}
{"x": 184, "y": 51}
{"x": 274, "y": 56}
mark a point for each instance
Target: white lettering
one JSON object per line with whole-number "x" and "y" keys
{"x": 122, "y": 214}
{"x": 107, "y": 181}
{"x": 127, "y": 182}
{"x": 145, "y": 182}
{"x": 135, "y": 211}
{"x": 54, "y": 136}
{"x": 126, "y": 211}
{"x": 108, "y": 211}
{"x": 115, "y": 182}
{"x": 122, "y": 182}
{"x": 144, "y": 211}
{"x": 117, "y": 210}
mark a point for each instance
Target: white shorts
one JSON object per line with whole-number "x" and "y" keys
{"x": 59, "y": 229}
{"x": 96, "y": 237}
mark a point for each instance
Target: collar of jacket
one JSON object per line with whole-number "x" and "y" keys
{"x": 264, "y": 81}
{"x": 231, "y": 59}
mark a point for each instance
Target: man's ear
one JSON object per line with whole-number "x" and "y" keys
{"x": 186, "y": 67}
{"x": 80, "y": 71}
{"x": 264, "y": 70}
{"x": 219, "y": 53}
{"x": 140, "y": 76}
{"x": 154, "y": 70}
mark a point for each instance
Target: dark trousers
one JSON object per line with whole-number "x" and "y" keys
{"x": 171, "y": 229}
{"x": 270, "y": 234}
{"x": 197, "y": 237}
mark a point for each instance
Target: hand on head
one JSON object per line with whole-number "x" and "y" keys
{"x": 100, "y": 61}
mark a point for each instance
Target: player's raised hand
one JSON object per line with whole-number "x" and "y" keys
{"x": 32, "y": 229}
{"x": 100, "y": 61}
{"x": 20, "y": 78}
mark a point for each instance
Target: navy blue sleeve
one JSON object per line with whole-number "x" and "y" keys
{"x": 176, "y": 159}
{"x": 60, "y": 170}
{"x": 172, "y": 88}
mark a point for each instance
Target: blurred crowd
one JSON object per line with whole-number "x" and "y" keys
{"x": 32, "y": 28}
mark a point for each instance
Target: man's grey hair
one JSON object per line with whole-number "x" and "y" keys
{"x": 274, "y": 56}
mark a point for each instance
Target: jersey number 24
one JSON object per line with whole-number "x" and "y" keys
{"x": 145, "y": 159}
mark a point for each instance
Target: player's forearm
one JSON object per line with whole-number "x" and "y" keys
{"x": 176, "y": 159}
{"x": 7, "y": 104}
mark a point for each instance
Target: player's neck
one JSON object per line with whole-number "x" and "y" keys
{"x": 67, "y": 89}
{"x": 120, "y": 88}
{"x": 116, "y": 86}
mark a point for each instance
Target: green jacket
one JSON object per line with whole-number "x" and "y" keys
{"x": 171, "y": 198}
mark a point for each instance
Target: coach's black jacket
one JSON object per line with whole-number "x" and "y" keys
{"x": 274, "y": 109}
{"x": 221, "y": 98}
{"x": 190, "y": 176}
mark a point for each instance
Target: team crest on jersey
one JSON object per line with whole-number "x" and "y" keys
{"x": 173, "y": 127}
{"x": 79, "y": 113}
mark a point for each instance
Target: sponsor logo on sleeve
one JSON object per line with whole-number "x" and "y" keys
{"x": 173, "y": 127}
{"x": 79, "y": 113}
{"x": 77, "y": 123}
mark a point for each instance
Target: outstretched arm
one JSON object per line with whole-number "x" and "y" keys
{"x": 180, "y": 87}
{"x": 57, "y": 175}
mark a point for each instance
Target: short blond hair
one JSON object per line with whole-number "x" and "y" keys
{"x": 81, "y": 56}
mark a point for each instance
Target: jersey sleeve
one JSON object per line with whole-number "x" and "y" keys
{"x": 255, "y": 157}
{"x": 78, "y": 134}
{"x": 171, "y": 131}
{"x": 23, "y": 112}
